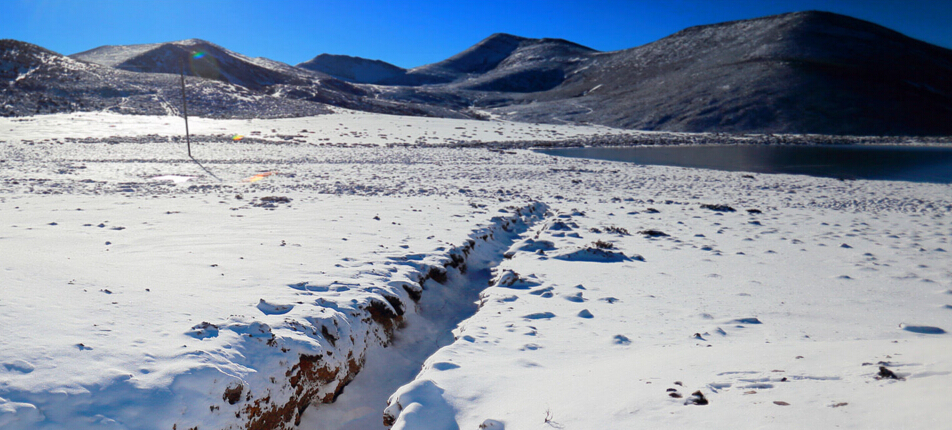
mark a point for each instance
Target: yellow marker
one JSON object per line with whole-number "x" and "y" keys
{"x": 258, "y": 177}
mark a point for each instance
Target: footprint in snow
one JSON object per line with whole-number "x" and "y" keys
{"x": 273, "y": 309}
{"x": 539, "y": 316}
{"x": 577, "y": 298}
{"x": 545, "y": 292}
{"x": 530, "y": 245}
{"x": 20, "y": 366}
{"x": 510, "y": 279}
{"x": 443, "y": 366}
{"x": 922, "y": 329}
{"x": 561, "y": 226}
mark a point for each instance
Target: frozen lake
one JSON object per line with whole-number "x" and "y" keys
{"x": 902, "y": 163}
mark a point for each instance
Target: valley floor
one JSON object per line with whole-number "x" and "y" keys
{"x": 470, "y": 287}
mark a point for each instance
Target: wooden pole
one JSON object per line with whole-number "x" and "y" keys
{"x": 188, "y": 140}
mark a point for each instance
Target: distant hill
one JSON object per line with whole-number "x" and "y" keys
{"x": 354, "y": 69}
{"x": 198, "y": 58}
{"x": 804, "y": 72}
{"x": 42, "y": 81}
{"x": 502, "y": 63}
{"x": 207, "y": 60}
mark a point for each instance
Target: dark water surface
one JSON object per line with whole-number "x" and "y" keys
{"x": 897, "y": 163}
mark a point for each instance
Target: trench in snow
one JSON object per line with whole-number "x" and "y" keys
{"x": 441, "y": 308}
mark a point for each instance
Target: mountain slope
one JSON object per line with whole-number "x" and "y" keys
{"x": 197, "y": 58}
{"x": 260, "y": 75}
{"x": 804, "y": 72}
{"x": 503, "y": 63}
{"x": 353, "y": 69}
{"x": 808, "y": 72}
{"x": 42, "y": 81}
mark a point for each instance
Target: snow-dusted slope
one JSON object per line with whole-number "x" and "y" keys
{"x": 804, "y": 72}
{"x": 42, "y": 81}
{"x": 114, "y": 55}
{"x": 810, "y": 72}
{"x": 260, "y": 75}
{"x": 503, "y": 63}
{"x": 198, "y": 58}
{"x": 353, "y": 69}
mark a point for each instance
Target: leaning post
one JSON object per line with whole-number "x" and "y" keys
{"x": 185, "y": 109}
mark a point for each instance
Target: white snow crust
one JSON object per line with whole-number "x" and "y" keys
{"x": 138, "y": 287}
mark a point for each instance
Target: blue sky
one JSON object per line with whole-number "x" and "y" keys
{"x": 413, "y": 33}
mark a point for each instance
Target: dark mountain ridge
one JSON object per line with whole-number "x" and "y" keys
{"x": 494, "y": 64}
{"x": 807, "y": 72}
{"x": 353, "y": 69}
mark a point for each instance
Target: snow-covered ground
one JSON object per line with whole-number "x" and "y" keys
{"x": 345, "y": 127}
{"x": 141, "y": 289}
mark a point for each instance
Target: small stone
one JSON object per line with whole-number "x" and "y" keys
{"x": 697, "y": 398}
{"x": 885, "y": 373}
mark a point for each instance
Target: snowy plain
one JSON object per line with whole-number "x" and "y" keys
{"x": 142, "y": 289}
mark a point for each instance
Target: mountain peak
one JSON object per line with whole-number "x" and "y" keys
{"x": 13, "y": 44}
{"x": 504, "y": 37}
{"x": 192, "y": 41}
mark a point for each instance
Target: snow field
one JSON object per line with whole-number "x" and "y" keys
{"x": 748, "y": 309}
{"x": 345, "y": 127}
{"x": 168, "y": 304}
{"x": 207, "y": 278}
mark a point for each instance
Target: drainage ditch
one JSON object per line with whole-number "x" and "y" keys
{"x": 450, "y": 296}
{"x": 339, "y": 366}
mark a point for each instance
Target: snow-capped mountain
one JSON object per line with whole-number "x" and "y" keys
{"x": 198, "y": 58}
{"x": 263, "y": 76}
{"x": 810, "y": 72}
{"x": 41, "y": 81}
{"x": 505, "y": 63}
{"x": 805, "y": 72}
